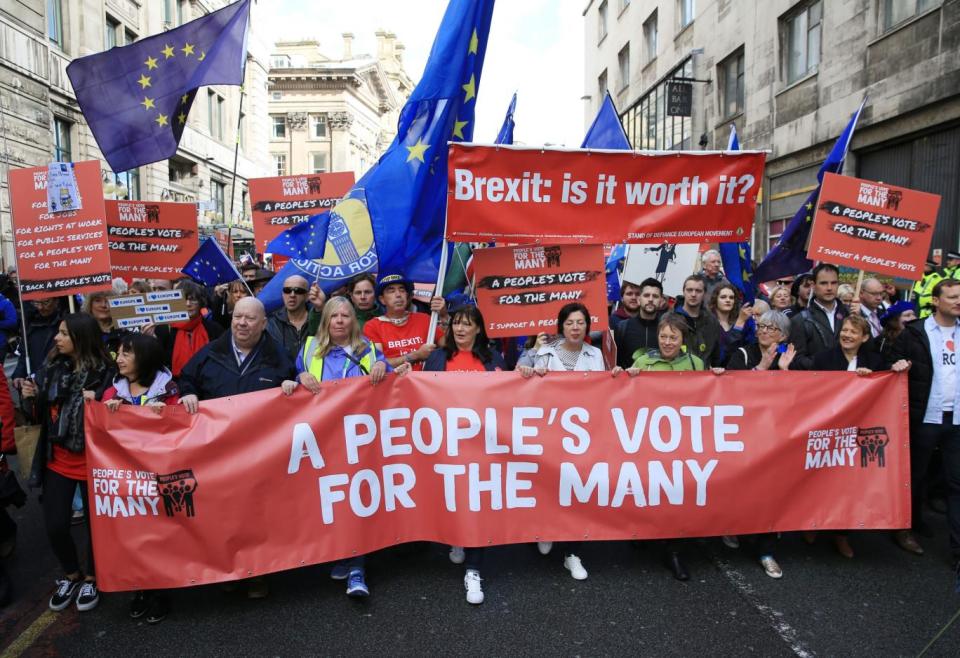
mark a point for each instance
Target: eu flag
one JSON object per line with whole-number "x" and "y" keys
{"x": 136, "y": 98}
{"x": 505, "y": 136}
{"x": 305, "y": 240}
{"x": 210, "y": 266}
{"x": 789, "y": 255}
{"x": 736, "y": 257}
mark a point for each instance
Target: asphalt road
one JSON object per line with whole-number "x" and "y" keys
{"x": 882, "y": 603}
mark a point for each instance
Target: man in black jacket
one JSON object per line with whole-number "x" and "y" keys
{"x": 703, "y": 339}
{"x": 815, "y": 328}
{"x": 934, "y": 392}
{"x": 640, "y": 331}
{"x": 42, "y": 326}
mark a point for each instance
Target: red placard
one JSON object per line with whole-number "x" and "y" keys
{"x": 520, "y": 290}
{"x": 151, "y": 239}
{"x": 59, "y": 253}
{"x": 514, "y": 194}
{"x": 873, "y": 226}
{"x": 284, "y": 201}
{"x": 478, "y": 459}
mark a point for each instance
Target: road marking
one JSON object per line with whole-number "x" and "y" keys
{"x": 29, "y": 635}
{"x": 773, "y": 617}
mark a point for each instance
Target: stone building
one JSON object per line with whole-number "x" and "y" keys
{"x": 40, "y": 120}
{"x": 790, "y": 74}
{"x": 334, "y": 113}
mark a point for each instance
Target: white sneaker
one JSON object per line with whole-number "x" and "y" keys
{"x": 471, "y": 582}
{"x": 457, "y": 556}
{"x": 731, "y": 541}
{"x": 544, "y": 547}
{"x": 771, "y": 567}
{"x": 572, "y": 564}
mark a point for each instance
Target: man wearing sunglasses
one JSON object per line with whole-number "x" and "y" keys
{"x": 288, "y": 325}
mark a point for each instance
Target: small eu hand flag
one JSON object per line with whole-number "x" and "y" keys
{"x": 307, "y": 240}
{"x": 210, "y": 266}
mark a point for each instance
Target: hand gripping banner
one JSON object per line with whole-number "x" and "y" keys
{"x": 261, "y": 483}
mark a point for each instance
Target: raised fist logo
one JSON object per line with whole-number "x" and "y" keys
{"x": 873, "y": 442}
{"x": 177, "y": 491}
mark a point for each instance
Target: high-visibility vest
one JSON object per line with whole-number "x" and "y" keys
{"x": 925, "y": 292}
{"x": 315, "y": 366}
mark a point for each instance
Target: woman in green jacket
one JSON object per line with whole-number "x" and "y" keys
{"x": 670, "y": 356}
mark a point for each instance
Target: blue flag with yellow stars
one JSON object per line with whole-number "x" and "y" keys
{"x": 305, "y": 240}
{"x": 136, "y": 98}
{"x": 736, "y": 257}
{"x": 789, "y": 255}
{"x": 210, "y": 266}
{"x": 505, "y": 136}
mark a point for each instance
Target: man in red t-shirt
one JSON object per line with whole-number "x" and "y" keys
{"x": 401, "y": 334}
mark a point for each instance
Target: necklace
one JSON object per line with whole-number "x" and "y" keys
{"x": 398, "y": 321}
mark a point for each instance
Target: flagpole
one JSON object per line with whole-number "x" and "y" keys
{"x": 434, "y": 316}
{"x": 236, "y": 155}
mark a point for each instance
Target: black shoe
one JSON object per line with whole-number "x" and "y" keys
{"x": 675, "y": 564}
{"x": 140, "y": 604}
{"x": 159, "y": 609}
{"x": 938, "y": 505}
{"x": 922, "y": 528}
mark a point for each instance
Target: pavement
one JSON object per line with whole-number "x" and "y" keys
{"x": 884, "y": 602}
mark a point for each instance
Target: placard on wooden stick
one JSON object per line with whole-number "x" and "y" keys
{"x": 160, "y": 307}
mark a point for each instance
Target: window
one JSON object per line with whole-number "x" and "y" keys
{"x": 172, "y": 13}
{"x": 279, "y": 127}
{"x": 602, "y": 85}
{"x": 318, "y": 126}
{"x": 623, "y": 5}
{"x": 318, "y": 163}
{"x": 647, "y": 124}
{"x": 803, "y": 41}
{"x": 55, "y": 21}
{"x": 602, "y": 21}
{"x": 215, "y": 114}
{"x": 280, "y": 163}
{"x": 897, "y": 11}
{"x": 650, "y": 38}
{"x": 128, "y": 184}
{"x": 217, "y": 195}
{"x": 110, "y": 31}
{"x": 128, "y": 37}
{"x": 280, "y": 61}
{"x": 61, "y": 140}
{"x": 731, "y": 85}
{"x": 685, "y": 11}
{"x": 623, "y": 67}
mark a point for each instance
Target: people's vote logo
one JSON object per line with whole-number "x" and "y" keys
{"x": 177, "y": 490}
{"x": 873, "y": 444}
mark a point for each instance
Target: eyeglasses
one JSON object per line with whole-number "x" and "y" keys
{"x": 294, "y": 291}
{"x": 763, "y": 326}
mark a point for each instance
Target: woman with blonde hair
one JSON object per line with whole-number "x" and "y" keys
{"x": 339, "y": 351}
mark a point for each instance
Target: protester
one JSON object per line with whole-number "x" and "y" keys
{"x": 361, "y": 291}
{"x": 249, "y": 270}
{"x": 934, "y": 394}
{"x": 568, "y": 353}
{"x": 142, "y": 380}
{"x": 629, "y": 306}
{"x": 736, "y": 321}
{"x": 225, "y": 301}
{"x": 892, "y": 321}
{"x": 78, "y": 368}
{"x": 780, "y": 299}
{"x": 871, "y": 304}
{"x": 243, "y": 360}
{"x": 815, "y": 329}
{"x": 712, "y": 276}
{"x": 530, "y": 348}
{"x": 672, "y": 331}
{"x": 466, "y": 348}
{"x": 288, "y": 324}
{"x": 703, "y": 339}
{"x": 8, "y": 325}
{"x": 160, "y": 285}
{"x": 636, "y": 335}
{"x": 260, "y": 280}
{"x": 97, "y": 304}
{"x": 338, "y": 351}
{"x": 399, "y": 333}
{"x": 800, "y": 290}
{"x": 41, "y": 328}
{"x": 845, "y": 294}
{"x": 181, "y": 340}
{"x": 768, "y": 353}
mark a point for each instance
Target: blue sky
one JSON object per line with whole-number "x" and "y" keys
{"x": 535, "y": 48}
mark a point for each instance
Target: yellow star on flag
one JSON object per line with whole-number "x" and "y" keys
{"x": 147, "y": 103}
{"x": 182, "y": 118}
{"x": 417, "y": 151}
{"x": 474, "y": 43}
{"x": 809, "y": 206}
{"x": 144, "y": 81}
{"x": 167, "y": 51}
{"x": 742, "y": 251}
{"x": 470, "y": 88}
{"x": 161, "y": 120}
{"x": 184, "y": 99}
{"x": 203, "y": 56}
{"x": 458, "y": 127}
{"x": 187, "y": 49}
{"x": 151, "y": 63}
{"x": 746, "y": 276}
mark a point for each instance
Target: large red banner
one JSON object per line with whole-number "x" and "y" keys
{"x": 515, "y": 194}
{"x": 873, "y": 226}
{"x": 59, "y": 253}
{"x": 478, "y": 459}
{"x": 520, "y": 290}
{"x": 283, "y": 202}
{"x": 151, "y": 239}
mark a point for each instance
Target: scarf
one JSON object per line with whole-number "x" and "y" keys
{"x": 191, "y": 337}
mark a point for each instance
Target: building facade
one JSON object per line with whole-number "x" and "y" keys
{"x": 334, "y": 113}
{"x": 789, "y": 74}
{"x": 41, "y": 122}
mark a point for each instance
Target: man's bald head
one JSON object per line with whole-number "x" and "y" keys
{"x": 249, "y": 322}
{"x": 295, "y": 290}
{"x": 871, "y": 293}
